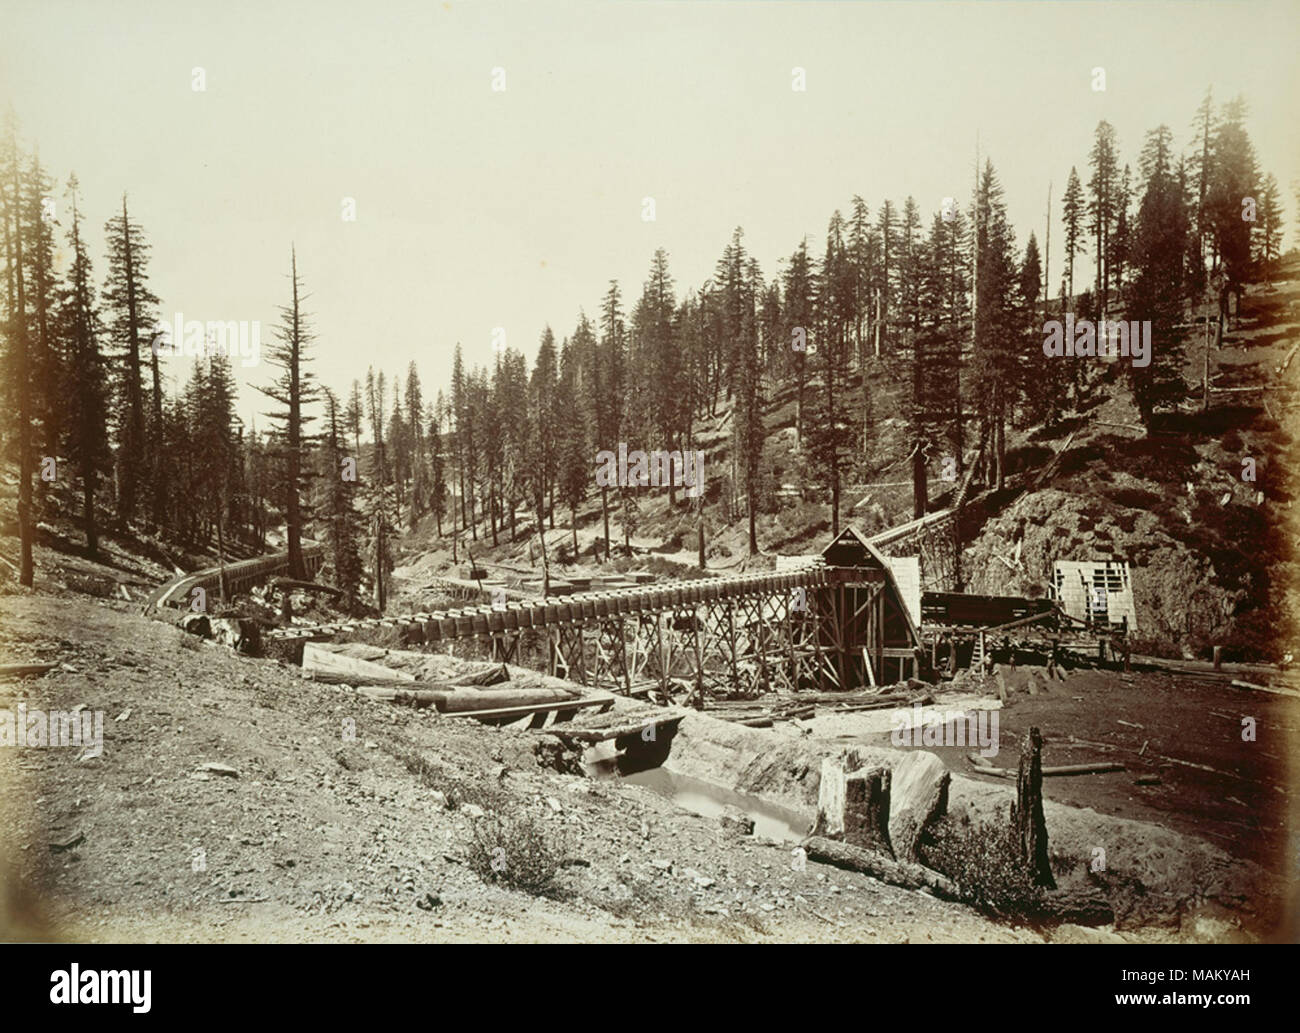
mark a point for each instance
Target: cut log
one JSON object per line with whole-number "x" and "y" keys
{"x": 830, "y": 793}
{"x": 293, "y": 584}
{"x": 1238, "y": 684}
{"x": 21, "y": 670}
{"x": 339, "y": 669}
{"x": 869, "y": 862}
{"x": 1077, "y": 908}
{"x": 464, "y": 701}
{"x": 918, "y": 798}
{"x": 492, "y": 676}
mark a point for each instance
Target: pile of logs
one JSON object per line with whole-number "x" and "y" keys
{"x": 488, "y": 689}
{"x": 762, "y": 713}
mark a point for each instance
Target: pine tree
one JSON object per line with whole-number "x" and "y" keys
{"x": 46, "y": 364}
{"x": 997, "y": 330}
{"x": 344, "y": 531}
{"x": 607, "y": 387}
{"x": 1156, "y": 290}
{"x": 20, "y": 357}
{"x": 295, "y": 389}
{"x": 831, "y": 431}
{"x": 132, "y": 316}
{"x": 1234, "y": 177}
{"x": 1101, "y": 206}
{"x": 575, "y": 451}
{"x": 416, "y": 461}
{"x": 1201, "y": 167}
{"x": 438, "y": 462}
{"x": 547, "y": 418}
{"x": 1073, "y": 210}
{"x": 1269, "y": 247}
{"x": 886, "y": 232}
{"x": 799, "y": 317}
{"x": 84, "y": 384}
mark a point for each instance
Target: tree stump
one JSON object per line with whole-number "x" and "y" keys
{"x": 866, "y": 810}
{"x": 1027, "y": 814}
{"x": 831, "y": 793}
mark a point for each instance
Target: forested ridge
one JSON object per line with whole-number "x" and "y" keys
{"x": 935, "y": 314}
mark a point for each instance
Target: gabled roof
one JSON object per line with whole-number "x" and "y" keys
{"x": 850, "y": 548}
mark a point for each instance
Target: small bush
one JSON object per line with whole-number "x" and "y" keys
{"x": 515, "y": 851}
{"x": 984, "y": 861}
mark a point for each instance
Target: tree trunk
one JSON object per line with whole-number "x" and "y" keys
{"x": 88, "y": 505}
{"x": 604, "y": 511}
{"x": 1027, "y": 815}
{"x": 879, "y": 866}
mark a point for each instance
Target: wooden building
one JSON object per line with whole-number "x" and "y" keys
{"x": 867, "y": 634}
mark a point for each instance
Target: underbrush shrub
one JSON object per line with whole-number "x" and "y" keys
{"x": 514, "y": 850}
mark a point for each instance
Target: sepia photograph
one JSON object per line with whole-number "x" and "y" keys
{"x": 719, "y": 472}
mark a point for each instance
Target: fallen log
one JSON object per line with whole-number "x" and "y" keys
{"x": 1063, "y": 769}
{"x": 307, "y": 586}
{"x": 452, "y": 701}
{"x": 897, "y": 873}
{"x": 1077, "y": 908}
{"x": 1238, "y": 684}
{"x": 20, "y": 670}
{"x": 492, "y": 676}
{"x": 334, "y": 668}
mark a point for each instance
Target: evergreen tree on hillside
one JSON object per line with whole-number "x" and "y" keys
{"x": 84, "y": 384}
{"x": 1201, "y": 170}
{"x": 1156, "y": 290}
{"x": 574, "y": 455}
{"x": 295, "y": 390}
{"x": 19, "y": 352}
{"x": 1268, "y": 245}
{"x": 1233, "y": 178}
{"x": 46, "y": 363}
{"x": 998, "y": 330}
{"x": 830, "y": 427}
{"x": 131, "y": 311}
{"x": 546, "y": 418}
{"x": 886, "y": 234}
{"x": 1102, "y": 204}
{"x": 344, "y": 522}
{"x": 1073, "y": 211}
{"x": 416, "y": 462}
{"x": 607, "y": 387}
{"x": 799, "y": 317}
{"x": 438, "y": 462}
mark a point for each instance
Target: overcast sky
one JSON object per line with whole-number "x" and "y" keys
{"x": 478, "y": 209}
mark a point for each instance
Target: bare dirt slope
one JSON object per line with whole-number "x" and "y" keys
{"x": 320, "y": 838}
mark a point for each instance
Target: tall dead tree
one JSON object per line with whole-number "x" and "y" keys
{"x": 294, "y": 389}
{"x": 18, "y": 328}
{"x": 1027, "y": 814}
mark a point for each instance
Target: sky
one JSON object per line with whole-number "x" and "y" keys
{"x": 480, "y": 208}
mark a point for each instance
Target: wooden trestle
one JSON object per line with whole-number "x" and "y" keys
{"x": 730, "y": 636}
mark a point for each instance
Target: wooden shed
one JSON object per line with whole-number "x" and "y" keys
{"x": 868, "y": 636}
{"x": 1099, "y": 592}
